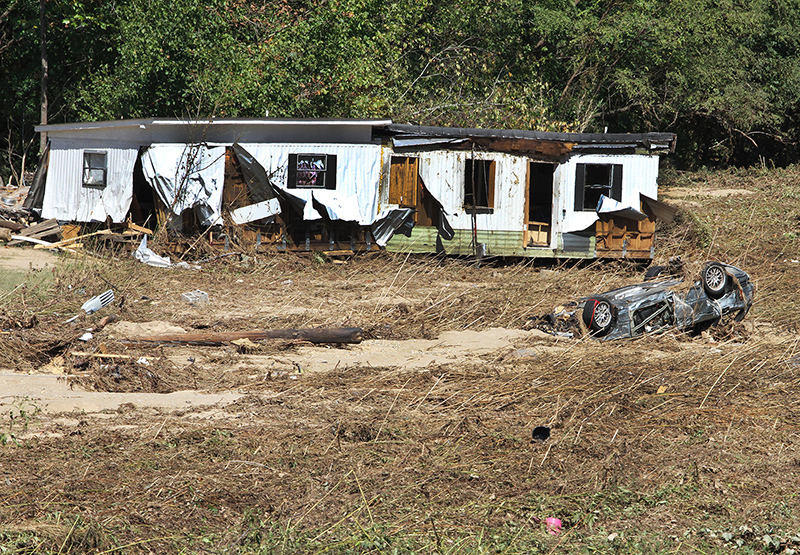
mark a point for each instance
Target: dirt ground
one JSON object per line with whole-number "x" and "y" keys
{"x": 419, "y": 438}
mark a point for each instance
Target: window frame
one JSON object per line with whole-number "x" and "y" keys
{"x": 88, "y": 168}
{"x": 613, "y": 187}
{"x": 485, "y": 190}
{"x": 297, "y": 173}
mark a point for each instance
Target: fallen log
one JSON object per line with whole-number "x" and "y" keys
{"x": 13, "y": 226}
{"x": 314, "y": 335}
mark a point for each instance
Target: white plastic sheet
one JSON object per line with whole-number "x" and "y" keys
{"x": 145, "y": 255}
{"x": 187, "y": 176}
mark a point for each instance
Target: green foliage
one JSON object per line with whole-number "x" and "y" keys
{"x": 725, "y": 75}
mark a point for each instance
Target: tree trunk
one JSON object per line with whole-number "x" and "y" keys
{"x": 43, "y": 45}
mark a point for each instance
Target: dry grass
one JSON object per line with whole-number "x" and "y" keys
{"x": 671, "y": 443}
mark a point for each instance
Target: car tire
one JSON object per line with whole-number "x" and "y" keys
{"x": 653, "y": 272}
{"x": 715, "y": 280}
{"x": 598, "y": 315}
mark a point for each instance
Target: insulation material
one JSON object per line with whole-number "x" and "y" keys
{"x": 187, "y": 176}
{"x": 67, "y": 199}
{"x": 355, "y": 197}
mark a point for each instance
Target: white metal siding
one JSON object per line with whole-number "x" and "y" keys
{"x": 443, "y": 175}
{"x": 357, "y": 177}
{"x": 66, "y": 198}
{"x": 639, "y": 175}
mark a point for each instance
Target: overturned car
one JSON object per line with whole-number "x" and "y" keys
{"x": 722, "y": 291}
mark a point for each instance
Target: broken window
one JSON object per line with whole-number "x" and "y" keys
{"x": 593, "y": 180}
{"x": 479, "y": 183}
{"x": 312, "y": 171}
{"x": 94, "y": 169}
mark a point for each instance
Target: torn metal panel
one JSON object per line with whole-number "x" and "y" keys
{"x": 660, "y": 210}
{"x": 357, "y": 177}
{"x": 389, "y": 221}
{"x": 257, "y": 211}
{"x": 35, "y": 196}
{"x": 610, "y": 207}
{"x": 187, "y": 176}
{"x": 254, "y": 175}
{"x": 620, "y": 141}
{"x": 399, "y": 142}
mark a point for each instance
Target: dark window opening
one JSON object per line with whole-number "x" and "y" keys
{"x": 594, "y": 180}
{"x": 94, "y": 169}
{"x": 312, "y": 171}
{"x": 479, "y": 183}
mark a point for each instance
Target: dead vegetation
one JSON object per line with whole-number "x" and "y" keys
{"x": 671, "y": 443}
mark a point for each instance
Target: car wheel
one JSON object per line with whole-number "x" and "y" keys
{"x": 653, "y": 272}
{"x": 715, "y": 280}
{"x": 598, "y": 315}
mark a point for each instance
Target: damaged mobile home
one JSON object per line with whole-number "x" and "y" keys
{"x": 354, "y": 185}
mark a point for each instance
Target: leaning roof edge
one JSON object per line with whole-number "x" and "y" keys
{"x": 425, "y": 131}
{"x": 147, "y": 122}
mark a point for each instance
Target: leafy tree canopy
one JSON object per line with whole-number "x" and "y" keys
{"x": 723, "y": 74}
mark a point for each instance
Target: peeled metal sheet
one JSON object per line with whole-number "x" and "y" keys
{"x": 187, "y": 176}
{"x": 389, "y": 221}
{"x": 257, "y": 211}
{"x": 610, "y": 207}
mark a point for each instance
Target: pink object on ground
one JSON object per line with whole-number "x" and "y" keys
{"x": 553, "y": 525}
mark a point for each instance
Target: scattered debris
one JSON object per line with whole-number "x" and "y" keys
{"x": 94, "y": 304}
{"x": 195, "y": 297}
{"x": 553, "y": 525}
{"x": 41, "y": 231}
{"x": 147, "y": 256}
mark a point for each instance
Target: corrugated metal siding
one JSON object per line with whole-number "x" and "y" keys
{"x": 66, "y": 198}
{"x": 358, "y": 174}
{"x": 639, "y": 174}
{"x": 582, "y": 243}
{"x": 443, "y": 175}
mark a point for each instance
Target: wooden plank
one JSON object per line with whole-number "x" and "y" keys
{"x": 108, "y": 355}
{"x": 39, "y": 231}
{"x": 69, "y": 242}
{"x": 130, "y": 226}
{"x": 13, "y": 226}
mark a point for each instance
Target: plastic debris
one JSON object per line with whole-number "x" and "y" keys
{"x": 195, "y": 297}
{"x": 553, "y": 525}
